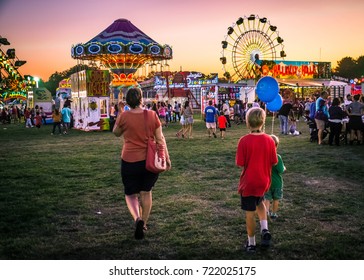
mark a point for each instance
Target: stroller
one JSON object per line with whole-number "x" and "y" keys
{"x": 314, "y": 131}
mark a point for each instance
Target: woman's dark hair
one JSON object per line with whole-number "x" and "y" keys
{"x": 134, "y": 97}
{"x": 187, "y": 103}
{"x": 335, "y": 102}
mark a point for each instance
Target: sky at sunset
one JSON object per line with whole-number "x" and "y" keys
{"x": 43, "y": 31}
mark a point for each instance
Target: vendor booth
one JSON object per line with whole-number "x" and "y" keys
{"x": 90, "y": 99}
{"x": 41, "y": 97}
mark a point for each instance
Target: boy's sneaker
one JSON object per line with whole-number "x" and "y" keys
{"x": 214, "y": 135}
{"x": 273, "y": 216}
{"x": 250, "y": 248}
{"x": 266, "y": 237}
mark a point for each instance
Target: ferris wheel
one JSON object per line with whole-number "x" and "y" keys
{"x": 249, "y": 42}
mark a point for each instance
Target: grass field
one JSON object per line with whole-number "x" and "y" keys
{"x": 61, "y": 198}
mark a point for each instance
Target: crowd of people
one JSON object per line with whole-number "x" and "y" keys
{"x": 340, "y": 118}
{"x": 37, "y": 117}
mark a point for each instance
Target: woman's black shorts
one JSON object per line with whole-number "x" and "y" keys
{"x": 136, "y": 178}
{"x": 355, "y": 122}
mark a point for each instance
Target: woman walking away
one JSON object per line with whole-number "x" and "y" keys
{"x": 187, "y": 114}
{"x": 138, "y": 182}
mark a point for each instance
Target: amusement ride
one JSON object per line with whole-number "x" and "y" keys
{"x": 123, "y": 49}
{"x": 12, "y": 83}
{"x": 248, "y": 42}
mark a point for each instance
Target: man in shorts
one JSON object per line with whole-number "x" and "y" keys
{"x": 210, "y": 116}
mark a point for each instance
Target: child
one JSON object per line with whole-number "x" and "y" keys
{"x": 28, "y": 121}
{"x": 293, "y": 128}
{"x": 38, "y": 119}
{"x": 57, "y": 118}
{"x": 222, "y": 125}
{"x": 256, "y": 154}
{"x": 275, "y": 191}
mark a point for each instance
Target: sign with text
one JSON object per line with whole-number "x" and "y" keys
{"x": 97, "y": 82}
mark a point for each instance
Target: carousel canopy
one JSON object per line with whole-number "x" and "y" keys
{"x": 122, "y": 46}
{"x": 122, "y": 30}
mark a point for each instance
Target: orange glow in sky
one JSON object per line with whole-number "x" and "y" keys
{"x": 43, "y": 32}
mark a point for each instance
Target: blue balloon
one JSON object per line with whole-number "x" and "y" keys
{"x": 275, "y": 104}
{"x": 267, "y": 88}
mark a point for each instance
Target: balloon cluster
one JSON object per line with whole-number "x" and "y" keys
{"x": 268, "y": 91}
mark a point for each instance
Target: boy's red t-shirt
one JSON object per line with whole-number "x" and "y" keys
{"x": 222, "y": 121}
{"x": 257, "y": 154}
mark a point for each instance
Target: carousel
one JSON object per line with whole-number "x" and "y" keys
{"x": 120, "y": 50}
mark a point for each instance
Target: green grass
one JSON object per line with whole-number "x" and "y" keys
{"x": 53, "y": 186}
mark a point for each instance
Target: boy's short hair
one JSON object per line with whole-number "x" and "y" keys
{"x": 275, "y": 139}
{"x": 255, "y": 117}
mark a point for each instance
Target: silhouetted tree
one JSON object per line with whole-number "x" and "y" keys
{"x": 350, "y": 68}
{"x": 53, "y": 81}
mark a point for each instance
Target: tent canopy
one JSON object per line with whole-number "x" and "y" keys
{"x": 311, "y": 83}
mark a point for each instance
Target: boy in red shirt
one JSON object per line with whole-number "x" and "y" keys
{"x": 256, "y": 154}
{"x": 222, "y": 125}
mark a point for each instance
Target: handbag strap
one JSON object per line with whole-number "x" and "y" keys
{"x": 145, "y": 123}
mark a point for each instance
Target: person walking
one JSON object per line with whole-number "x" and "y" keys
{"x": 226, "y": 112}
{"x": 138, "y": 182}
{"x": 321, "y": 118}
{"x": 57, "y": 118}
{"x": 275, "y": 192}
{"x": 210, "y": 116}
{"x": 66, "y": 118}
{"x": 256, "y": 154}
{"x": 283, "y": 115}
{"x": 187, "y": 114}
{"x": 222, "y": 125}
{"x": 177, "y": 111}
{"x": 27, "y": 116}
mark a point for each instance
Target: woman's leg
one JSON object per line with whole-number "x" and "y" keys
{"x": 132, "y": 201}
{"x": 332, "y": 133}
{"x": 337, "y": 133}
{"x": 319, "y": 134}
{"x": 146, "y": 202}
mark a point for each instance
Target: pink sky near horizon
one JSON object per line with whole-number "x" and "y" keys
{"x": 43, "y": 32}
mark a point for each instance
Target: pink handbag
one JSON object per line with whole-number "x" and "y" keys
{"x": 156, "y": 158}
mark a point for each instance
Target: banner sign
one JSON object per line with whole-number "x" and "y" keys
{"x": 296, "y": 69}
